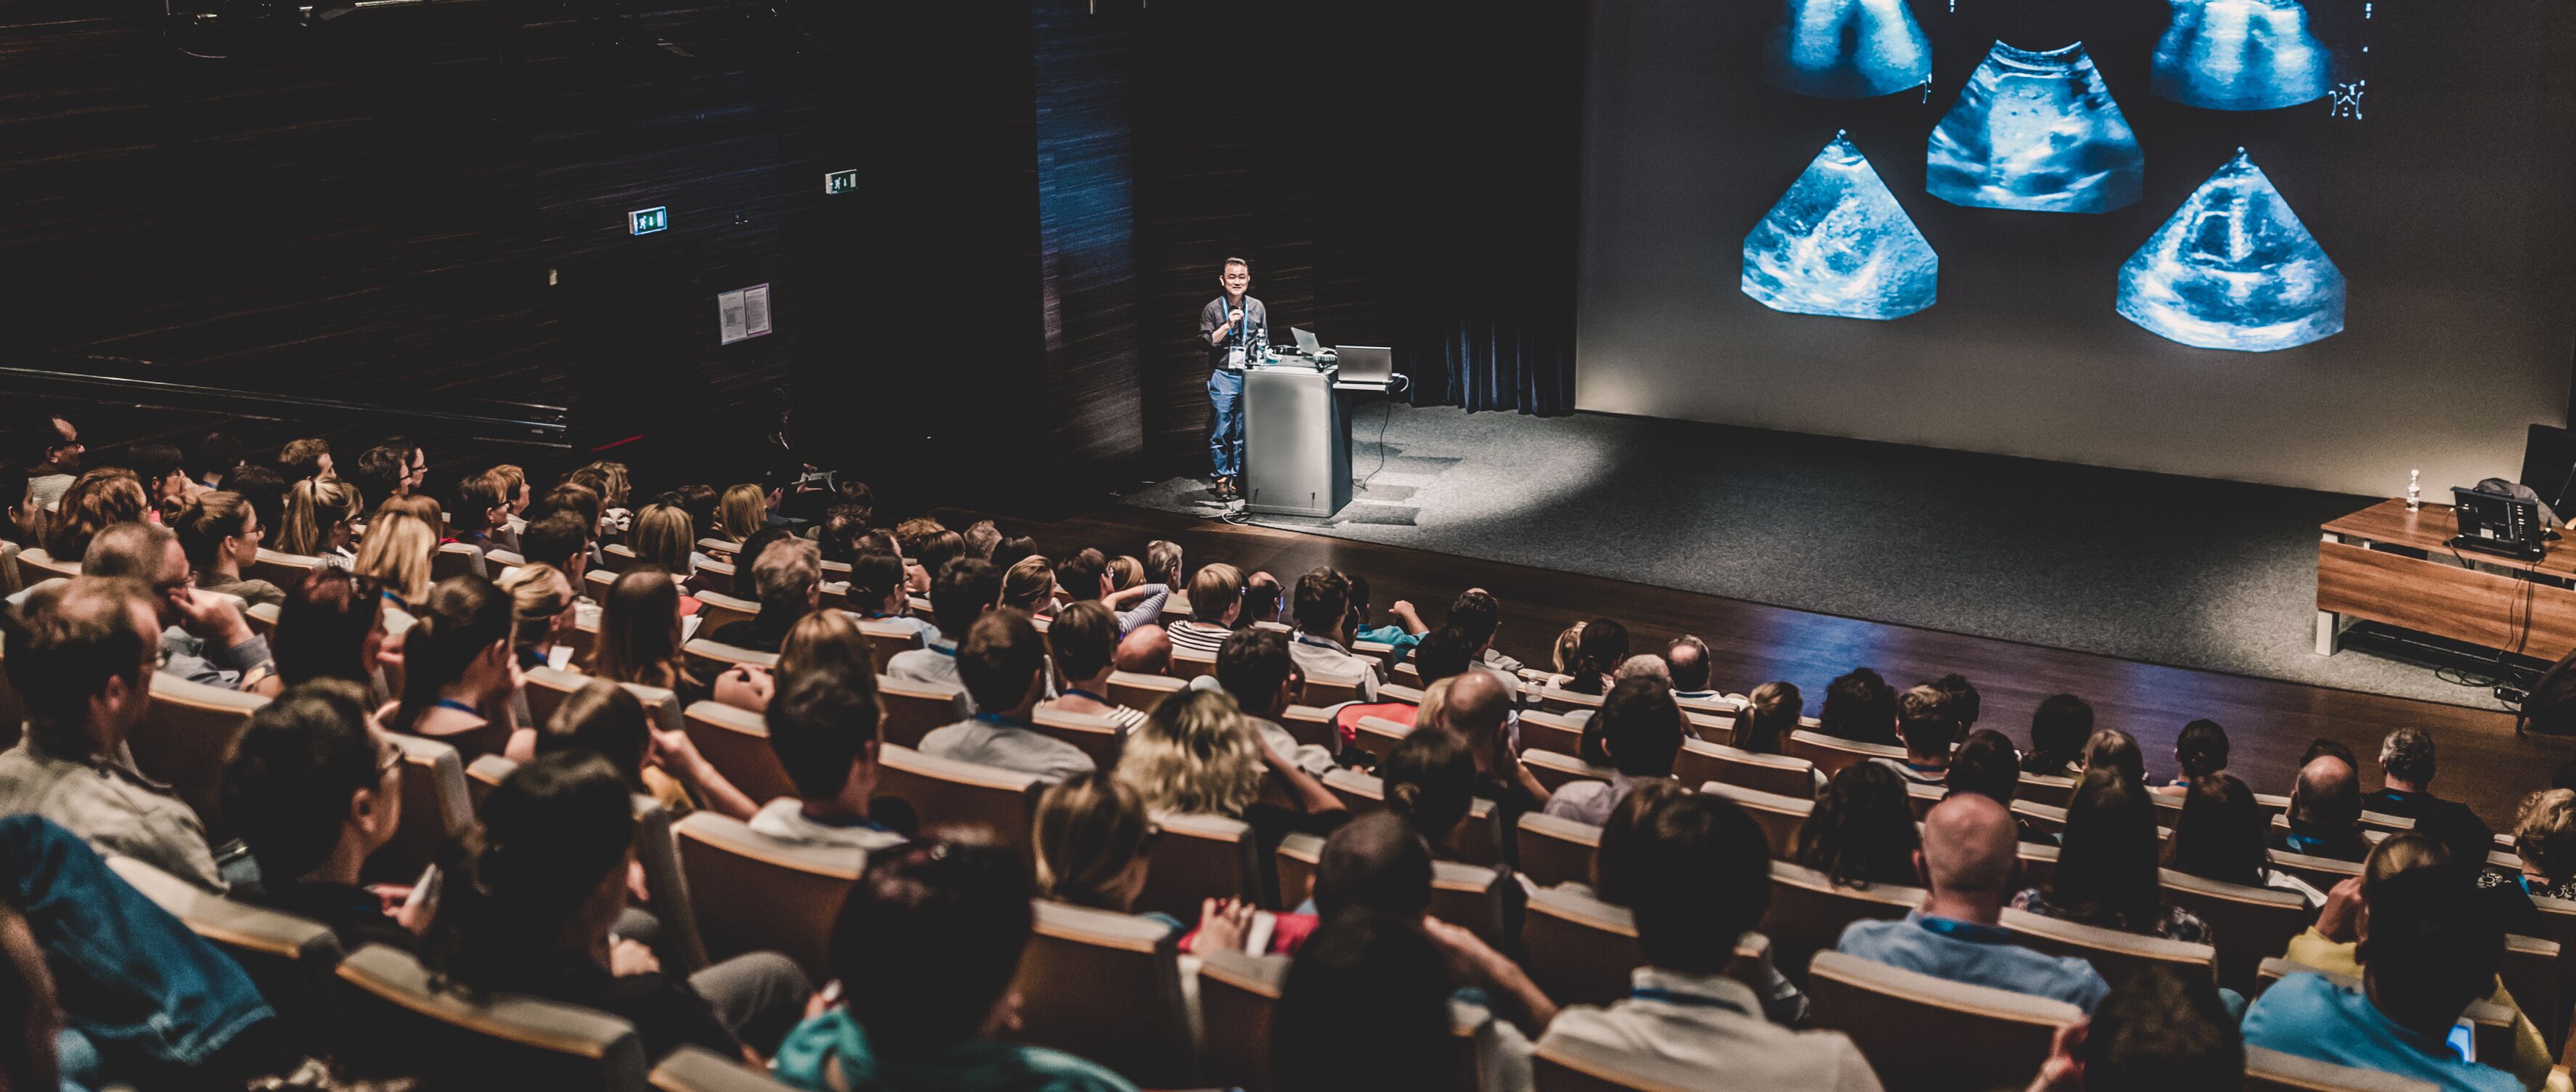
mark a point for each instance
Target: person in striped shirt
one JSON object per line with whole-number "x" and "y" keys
{"x": 1216, "y": 600}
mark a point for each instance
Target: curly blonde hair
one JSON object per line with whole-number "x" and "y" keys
{"x": 396, "y": 552}
{"x": 1193, "y": 756}
{"x": 2545, "y": 832}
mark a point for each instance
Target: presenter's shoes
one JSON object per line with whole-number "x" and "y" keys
{"x": 1225, "y": 489}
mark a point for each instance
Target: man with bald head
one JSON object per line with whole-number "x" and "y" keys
{"x": 1146, "y": 650}
{"x": 1968, "y": 862}
{"x": 2325, "y": 812}
{"x": 1479, "y": 712}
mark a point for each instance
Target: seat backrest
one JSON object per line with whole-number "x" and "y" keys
{"x": 1923, "y": 1032}
{"x": 2531, "y": 973}
{"x": 945, "y": 792}
{"x": 2042, "y": 817}
{"x": 713, "y": 578}
{"x": 1107, "y": 987}
{"x": 2246, "y": 924}
{"x": 1831, "y": 754}
{"x": 1200, "y": 857}
{"x": 1779, "y": 775}
{"x": 617, "y": 557}
{"x": 1780, "y": 816}
{"x": 886, "y": 638}
{"x": 2272, "y": 1071}
{"x": 436, "y": 806}
{"x": 1328, "y": 691}
{"x": 291, "y": 959}
{"x": 399, "y": 1023}
{"x": 736, "y": 743}
{"x": 485, "y": 774}
{"x": 1238, "y": 993}
{"x": 546, "y": 688}
{"x": 1809, "y": 911}
{"x": 1190, "y": 663}
{"x": 1140, "y": 691}
{"x": 1572, "y": 1064}
{"x": 708, "y": 659}
{"x": 724, "y": 610}
{"x": 184, "y": 736}
{"x": 799, "y": 890}
{"x": 1294, "y": 864}
{"x": 2492, "y": 1025}
{"x": 1361, "y": 793}
{"x": 1556, "y": 771}
{"x": 2038, "y": 863}
{"x": 2113, "y": 953}
{"x": 1581, "y": 949}
{"x": 1555, "y": 850}
{"x": 1717, "y": 728}
{"x": 1311, "y": 727}
{"x": 1554, "y": 732}
{"x": 281, "y": 569}
{"x": 1560, "y": 700}
{"x": 1472, "y": 896}
{"x": 2392, "y": 824}
{"x": 1378, "y": 736}
{"x": 694, "y": 1068}
{"x": 43, "y": 566}
{"x": 456, "y": 559}
{"x": 913, "y": 709}
{"x": 1099, "y": 737}
{"x": 2055, "y": 792}
{"x": 2321, "y": 873}
{"x": 658, "y": 855}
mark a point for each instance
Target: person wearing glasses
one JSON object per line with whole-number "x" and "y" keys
{"x": 1233, "y": 326}
{"x": 204, "y": 638}
{"x": 314, "y": 787}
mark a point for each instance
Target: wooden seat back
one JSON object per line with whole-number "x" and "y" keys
{"x": 1311, "y": 726}
{"x": 886, "y": 638}
{"x": 2247, "y": 924}
{"x": 1107, "y": 987}
{"x": 913, "y": 710}
{"x": 723, "y": 610}
{"x": 1923, "y": 1032}
{"x": 1099, "y": 737}
{"x": 694, "y": 1068}
{"x": 1238, "y": 994}
{"x": 1780, "y": 816}
{"x": 945, "y": 792}
{"x": 1190, "y": 663}
{"x": 436, "y": 808}
{"x": 398, "y": 1022}
{"x": 2273, "y": 1071}
{"x": 2113, "y": 953}
{"x": 282, "y": 569}
{"x": 1779, "y": 775}
{"x": 1555, "y": 850}
{"x": 2056, "y": 792}
{"x": 1556, "y": 771}
{"x": 1831, "y": 754}
{"x": 1378, "y": 736}
{"x": 1201, "y": 857}
{"x": 708, "y": 659}
{"x": 1809, "y": 911}
{"x": 184, "y": 737}
{"x": 1139, "y": 691}
{"x": 1578, "y": 1065}
{"x": 456, "y": 559}
{"x": 1552, "y": 732}
{"x": 1555, "y": 699}
{"x": 799, "y": 888}
{"x": 2491, "y": 1026}
{"x": 736, "y": 743}
{"x": 2531, "y": 974}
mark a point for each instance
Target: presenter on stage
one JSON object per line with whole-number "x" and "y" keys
{"x": 1233, "y": 325}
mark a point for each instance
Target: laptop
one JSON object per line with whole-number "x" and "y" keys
{"x": 1368, "y": 366}
{"x": 1306, "y": 343}
{"x": 2497, "y": 524}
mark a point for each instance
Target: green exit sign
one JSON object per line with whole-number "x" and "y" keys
{"x": 840, "y": 181}
{"x": 648, "y": 221}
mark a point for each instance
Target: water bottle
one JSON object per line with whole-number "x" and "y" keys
{"x": 2415, "y": 490}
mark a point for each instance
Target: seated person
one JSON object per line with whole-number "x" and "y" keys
{"x": 80, "y": 655}
{"x": 1401, "y": 636}
{"x": 2162, "y": 1029}
{"x": 2219, "y": 836}
{"x": 1859, "y": 706}
{"x": 1705, "y": 882}
{"x": 220, "y": 533}
{"x": 1085, "y": 577}
{"x": 203, "y": 638}
{"x": 1145, "y": 650}
{"x": 1770, "y": 713}
{"x": 1091, "y": 838}
{"x": 1969, "y": 865}
{"x": 961, "y": 592}
{"x": 926, "y": 946}
{"x": 1002, "y": 664}
{"x": 2325, "y": 813}
{"x": 1686, "y": 660}
{"x": 1987, "y": 765}
{"x": 2426, "y": 953}
{"x": 1641, "y": 731}
{"x": 2544, "y": 836}
{"x": 314, "y": 789}
{"x": 826, "y": 728}
{"x": 1084, "y": 638}
{"x": 2406, "y": 766}
{"x": 1193, "y": 756}
{"x": 789, "y": 574}
{"x": 459, "y": 671}
{"x": 1929, "y": 727}
{"x": 607, "y": 720}
{"x": 1254, "y": 667}
{"x": 549, "y": 882}
{"x": 1216, "y": 600}
{"x": 1322, "y": 646}
{"x": 1861, "y": 831}
{"x": 2058, "y": 729}
{"x": 2106, "y": 867}
{"x": 878, "y": 593}
{"x": 1430, "y": 783}
{"x": 1374, "y": 987}
{"x": 559, "y": 539}
{"x": 1477, "y": 616}
{"x": 2199, "y": 751}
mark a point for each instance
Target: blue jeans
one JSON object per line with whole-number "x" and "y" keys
{"x": 135, "y": 984}
{"x": 1225, "y": 437}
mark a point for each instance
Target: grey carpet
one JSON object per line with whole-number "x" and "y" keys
{"x": 2147, "y": 567}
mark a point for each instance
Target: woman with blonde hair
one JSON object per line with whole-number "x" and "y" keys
{"x": 1091, "y": 838}
{"x": 1029, "y": 585}
{"x": 1194, "y": 755}
{"x": 1125, "y": 572}
{"x": 395, "y": 554}
{"x": 663, "y": 536}
{"x": 541, "y": 602}
{"x": 318, "y": 520}
{"x": 419, "y": 506}
{"x": 741, "y": 512}
{"x": 94, "y": 502}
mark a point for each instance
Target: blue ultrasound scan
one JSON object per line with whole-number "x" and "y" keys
{"x": 2240, "y": 55}
{"x": 2036, "y": 131}
{"x": 2234, "y": 269}
{"x": 1847, "y": 49}
{"x": 1839, "y": 244}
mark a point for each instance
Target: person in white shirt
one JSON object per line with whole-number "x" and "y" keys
{"x": 1641, "y": 729}
{"x": 1705, "y": 872}
{"x": 826, "y": 729}
{"x": 962, "y": 593}
{"x": 1003, "y": 664}
{"x": 1324, "y": 626}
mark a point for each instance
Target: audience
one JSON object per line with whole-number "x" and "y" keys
{"x": 1706, "y": 882}
{"x": 1686, "y": 661}
{"x": 963, "y": 592}
{"x": 876, "y": 593}
{"x": 1145, "y": 650}
{"x": 476, "y": 513}
{"x": 96, "y": 501}
{"x": 2106, "y": 867}
{"x": 2162, "y": 1029}
{"x": 789, "y": 573}
{"x": 80, "y": 654}
{"x": 1002, "y": 664}
{"x": 2220, "y": 836}
{"x": 1969, "y": 866}
{"x": 1216, "y": 600}
{"x": 2058, "y": 729}
{"x": 2406, "y": 768}
{"x": 1195, "y": 756}
{"x": 1862, "y": 829}
{"x": 1770, "y": 713}
{"x": 608, "y": 720}
{"x": 2325, "y": 812}
{"x": 203, "y": 638}
{"x": 394, "y": 557}
{"x": 1091, "y": 837}
{"x": 541, "y": 610}
{"x": 1477, "y": 708}
{"x": 220, "y": 535}
{"x": 1084, "y": 639}
{"x": 459, "y": 671}
{"x": 827, "y": 731}
{"x": 1641, "y": 732}
{"x": 1859, "y": 706}
{"x": 2200, "y": 751}
{"x": 1324, "y": 629}
{"x": 314, "y": 788}
{"x": 2544, "y": 836}
{"x": 320, "y": 521}
{"x": 306, "y": 459}
{"x": 53, "y": 449}
{"x": 1987, "y": 765}
{"x": 1253, "y": 667}
{"x": 1599, "y": 649}
{"x": 639, "y": 635}
{"x": 1262, "y": 600}
{"x": 1430, "y": 783}
{"x": 2114, "y": 750}
{"x": 1029, "y": 586}
{"x": 1478, "y": 616}
{"x": 1929, "y": 725}
{"x": 329, "y": 629}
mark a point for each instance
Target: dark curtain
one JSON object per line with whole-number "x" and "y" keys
{"x": 1485, "y": 213}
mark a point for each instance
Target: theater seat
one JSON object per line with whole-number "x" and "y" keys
{"x": 1139, "y": 691}
{"x": 1559, "y": 700}
{"x": 183, "y": 739}
{"x": 1378, "y": 736}
{"x": 696, "y": 1069}
{"x": 1923, "y": 1032}
{"x": 1555, "y": 850}
{"x": 2321, "y": 873}
{"x": 436, "y": 808}
{"x": 886, "y": 638}
{"x": 1328, "y": 691}
{"x": 291, "y": 959}
{"x": 1107, "y": 987}
{"x": 397, "y": 1022}
{"x": 1780, "y": 816}
{"x": 913, "y": 710}
{"x": 1556, "y": 771}
{"x": 1576, "y": 1065}
{"x": 736, "y": 743}
{"x": 2273, "y": 1071}
{"x": 2114, "y": 953}
{"x": 617, "y": 557}
{"x": 1779, "y": 775}
{"x": 456, "y": 559}
{"x": 708, "y": 659}
{"x": 1544, "y": 731}
{"x": 799, "y": 890}
{"x": 1809, "y": 911}
{"x": 2490, "y": 1024}
{"x": 1582, "y": 950}
{"x": 950, "y": 793}
{"x": 657, "y": 852}
{"x": 1099, "y": 737}
{"x": 484, "y": 775}
{"x": 2247, "y": 924}
{"x": 2055, "y": 792}
{"x": 1190, "y": 663}
{"x": 1361, "y": 793}
{"x": 2531, "y": 974}
{"x": 1238, "y": 993}
{"x": 546, "y": 688}
{"x": 1311, "y": 726}
{"x": 1831, "y": 754}
{"x": 1201, "y": 857}
{"x": 281, "y": 569}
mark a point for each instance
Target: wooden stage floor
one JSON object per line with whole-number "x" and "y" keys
{"x": 2269, "y": 723}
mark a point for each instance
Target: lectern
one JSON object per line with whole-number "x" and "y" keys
{"x": 1297, "y": 450}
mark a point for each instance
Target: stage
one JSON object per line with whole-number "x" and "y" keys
{"x": 2185, "y": 572}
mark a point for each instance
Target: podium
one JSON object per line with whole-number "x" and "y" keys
{"x": 1296, "y": 441}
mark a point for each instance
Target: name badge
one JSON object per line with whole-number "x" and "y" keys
{"x": 1234, "y": 357}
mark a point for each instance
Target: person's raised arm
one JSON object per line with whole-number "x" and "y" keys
{"x": 1475, "y": 963}
{"x": 677, "y": 755}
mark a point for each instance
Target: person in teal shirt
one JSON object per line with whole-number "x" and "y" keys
{"x": 931, "y": 936}
{"x": 2427, "y": 950}
{"x": 1402, "y": 636}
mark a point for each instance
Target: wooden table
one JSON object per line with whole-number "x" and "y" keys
{"x": 2386, "y": 564}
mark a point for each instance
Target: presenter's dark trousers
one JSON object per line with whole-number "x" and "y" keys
{"x": 1225, "y": 434}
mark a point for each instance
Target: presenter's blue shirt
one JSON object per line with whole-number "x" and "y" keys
{"x": 1977, "y": 955}
{"x": 2313, "y": 1017}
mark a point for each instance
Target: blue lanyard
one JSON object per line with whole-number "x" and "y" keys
{"x": 1001, "y": 720}
{"x": 951, "y": 653}
{"x": 1965, "y": 930}
{"x": 1078, "y": 692}
{"x": 1693, "y": 1000}
{"x": 2306, "y": 845}
{"x": 1243, "y": 329}
{"x": 461, "y": 707}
